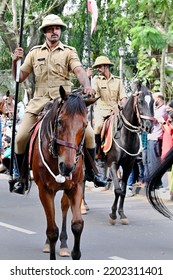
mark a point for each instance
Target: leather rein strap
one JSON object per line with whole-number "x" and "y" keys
{"x": 66, "y": 144}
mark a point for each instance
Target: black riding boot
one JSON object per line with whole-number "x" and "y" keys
{"x": 90, "y": 175}
{"x": 19, "y": 187}
{"x": 98, "y": 146}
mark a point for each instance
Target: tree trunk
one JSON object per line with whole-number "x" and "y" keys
{"x": 162, "y": 72}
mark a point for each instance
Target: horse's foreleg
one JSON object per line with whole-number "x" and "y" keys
{"x": 77, "y": 224}
{"x": 84, "y": 206}
{"x": 47, "y": 200}
{"x": 64, "y": 252}
{"x": 117, "y": 191}
{"x": 123, "y": 217}
{"x": 113, "y": 215}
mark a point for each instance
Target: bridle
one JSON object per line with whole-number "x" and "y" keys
{"x": 140, "y": 117}
{"x": 132, "y": 128}
{"x": 55, "y": 141}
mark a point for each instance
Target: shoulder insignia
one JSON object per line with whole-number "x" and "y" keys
{"x": 117, "y": 77}
{"x": 35, "y": 47}
{"x": 69, "y": 47}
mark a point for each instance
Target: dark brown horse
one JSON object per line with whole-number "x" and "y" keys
{"x": 57, "y": 164}
{"x": 137, "y": 115}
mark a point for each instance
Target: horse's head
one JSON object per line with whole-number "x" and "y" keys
{"x": 143, "y": 102}
{"x": 68, "y": 130}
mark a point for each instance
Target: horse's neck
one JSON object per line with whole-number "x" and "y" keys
{"x": 129, "y": 112}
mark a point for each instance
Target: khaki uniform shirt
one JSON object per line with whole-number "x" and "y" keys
{"x": 110, "y": 91}
{"x": 51, "y": 69}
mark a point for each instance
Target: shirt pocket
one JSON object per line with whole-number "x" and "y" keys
{"x": 60, "y": 67}
{"x": 40, "y": 67}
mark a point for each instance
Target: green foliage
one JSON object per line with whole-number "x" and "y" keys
{"x": 142, "y": 27}
{"x": 148, "y": 37}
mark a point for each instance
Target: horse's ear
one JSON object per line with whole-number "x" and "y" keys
{"x": 90, "y": 101}
{"x": 64, "y": 95}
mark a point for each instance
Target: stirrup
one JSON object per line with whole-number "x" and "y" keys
{"x": 12, "y": 182}
{"x": 17, "y": 187}
{"x": 99, "y": 181}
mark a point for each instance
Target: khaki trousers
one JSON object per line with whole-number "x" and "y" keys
{"x": 99, "y": 116}
{"x": 90, "y": 137}
{"x": 23, "y": 133}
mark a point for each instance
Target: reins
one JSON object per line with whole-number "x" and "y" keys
{"x": 58, "y": 178}
{"x": 133, "y": 155}
{"x": 133, "y": 128}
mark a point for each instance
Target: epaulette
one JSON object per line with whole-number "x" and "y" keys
{"x": 69, "y": 47}
{"x": 117, "y": 77}
{"x": 35, "y": 47}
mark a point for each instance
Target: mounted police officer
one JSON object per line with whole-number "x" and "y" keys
{"x": 111, "y": 91}
{"x": 51, "y": 63}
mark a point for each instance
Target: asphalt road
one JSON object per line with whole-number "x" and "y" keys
{"x": 147, "y": 237}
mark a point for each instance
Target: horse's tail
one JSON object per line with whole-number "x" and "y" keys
{"x": 151, "y": 190}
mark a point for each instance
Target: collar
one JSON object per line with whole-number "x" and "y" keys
{"x": 59, "y": 46}
{"x": 104, "y": 78}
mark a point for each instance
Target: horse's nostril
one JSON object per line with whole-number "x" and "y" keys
{"x": 65, "y": 170}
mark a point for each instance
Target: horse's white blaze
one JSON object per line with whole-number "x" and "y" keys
{"x": 148, "y": 99}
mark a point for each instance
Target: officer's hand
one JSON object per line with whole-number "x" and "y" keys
{"x": 89, "y": 72}
{"x": 89, "y": 91}
{"x": 18, "y": 54}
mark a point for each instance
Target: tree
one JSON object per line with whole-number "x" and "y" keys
{"x": 143, "y": 27}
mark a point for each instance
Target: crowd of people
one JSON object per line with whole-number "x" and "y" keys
{"x": 51, "y": 64}
{"x": 6, "y": 119}
{"x": 6, "y": 123}
{"x": 155, "y": 146}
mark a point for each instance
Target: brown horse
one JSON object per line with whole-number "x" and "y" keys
{"x": 57, "y": 164}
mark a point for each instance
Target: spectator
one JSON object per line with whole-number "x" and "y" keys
{"x": 154, "y": 143}
{"x": 167, "y": 127}
{"x": 167, "y": 144}
{"x": 9, "y": 105}
{"x": 6, "y": 154}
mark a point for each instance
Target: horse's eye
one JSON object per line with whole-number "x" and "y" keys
{"x": 59, "y": 122}
{"x": 140, "y": 101}
{"x": 85, "y": 125}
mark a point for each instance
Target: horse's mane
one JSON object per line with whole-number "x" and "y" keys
{"x": 74, "y": 104}
{"x": 151, "y": 191}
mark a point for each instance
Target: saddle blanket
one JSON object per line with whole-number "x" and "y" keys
{"x": 106, "y": 134}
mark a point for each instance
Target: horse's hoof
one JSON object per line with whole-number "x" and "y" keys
{"x": 83, "y": 211}
{"x": 46, "y": 248}
{"x": 64, "y": 252}
{"x": 124, "y": 221}
{"x": 112, "y": 221}
{"x": 86, "y": 206}
{"x": 83, "y": 208}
